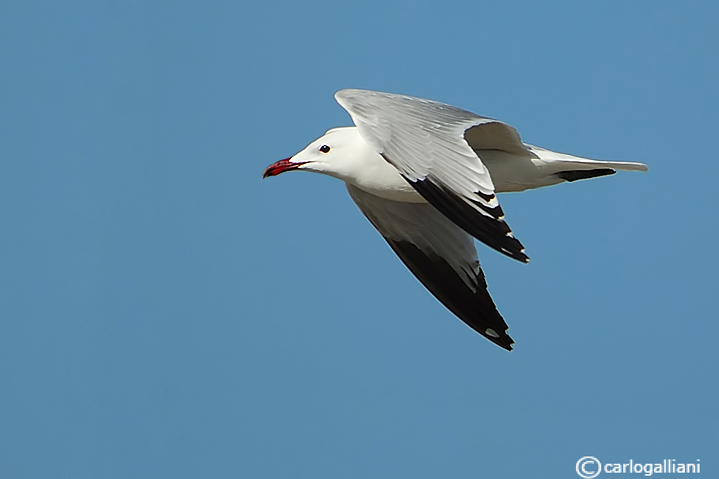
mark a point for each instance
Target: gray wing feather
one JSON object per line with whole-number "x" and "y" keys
{"x": 441, "y": 256}
{"x": 429, "y": 144}
{"x": 416, "y": 135}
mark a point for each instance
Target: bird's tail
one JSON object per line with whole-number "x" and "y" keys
{"x": 570, "y": 162}
{"x": 573, "y": 168}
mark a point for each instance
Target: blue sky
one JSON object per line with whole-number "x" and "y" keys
{"x": 166, "y": 313}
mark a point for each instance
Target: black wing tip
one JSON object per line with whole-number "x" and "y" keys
{"x": 502, "y": 340}
{"x": 517, "y": 251}
{"x": 474, "y": 306}
{"x": 518, "y": 255}
{"x": 491, "y": 230}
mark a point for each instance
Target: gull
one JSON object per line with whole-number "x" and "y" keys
{"x": 426, "y": 175}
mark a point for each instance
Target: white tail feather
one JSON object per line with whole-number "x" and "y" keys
{"x": 565, "y": 161}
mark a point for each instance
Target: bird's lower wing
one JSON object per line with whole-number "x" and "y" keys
{"x": 441, "y": 255}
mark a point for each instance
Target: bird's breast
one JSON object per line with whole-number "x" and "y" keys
{"x": 380, "y": 178}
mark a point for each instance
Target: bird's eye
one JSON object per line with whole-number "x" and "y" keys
{"x": 325, "y": 149}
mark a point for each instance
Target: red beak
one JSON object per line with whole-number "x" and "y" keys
{"x": 281, "y": 166}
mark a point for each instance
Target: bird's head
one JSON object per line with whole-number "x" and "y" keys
{"x": 336, "y": 154}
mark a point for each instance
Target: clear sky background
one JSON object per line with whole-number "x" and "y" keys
{"x": 166, "y": 313}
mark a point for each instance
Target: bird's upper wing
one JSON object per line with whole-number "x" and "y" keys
{"x": 433, "y": 146}
{"x": 441, "y": 256}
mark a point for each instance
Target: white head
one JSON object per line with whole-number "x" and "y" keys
{"x": 338, "y": 153}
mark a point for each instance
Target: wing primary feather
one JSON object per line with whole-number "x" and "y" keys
{"x": 434, "y": 146}
{"x": 441, "y": 256}
{"x": 496, "y": 212}
{"x": 490, "y": 230}
{"x": 475, "y": 308}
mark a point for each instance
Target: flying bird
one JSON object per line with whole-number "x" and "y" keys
{"x": 426, "y": 175}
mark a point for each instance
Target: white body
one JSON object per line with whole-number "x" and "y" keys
{"x": 352, "y": 160}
